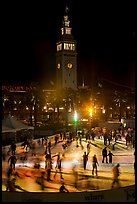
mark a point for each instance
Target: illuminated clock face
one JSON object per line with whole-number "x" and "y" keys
{"x": 58, "y": 65}
{"x": 69, "y": 65}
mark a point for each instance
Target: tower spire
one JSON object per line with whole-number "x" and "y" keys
{"x": 66, "y": 23}
{"x": 66, "y": 10}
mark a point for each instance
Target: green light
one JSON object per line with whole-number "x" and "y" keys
{"x": 75, "y": 117}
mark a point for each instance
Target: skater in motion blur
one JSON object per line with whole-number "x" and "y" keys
{"x": 12, "y": 160}
{"x": 58, "y": 166}
{"x": 116, "y": 174}
{"x": 63, "y": 189}
{"x": 75, "y": 174}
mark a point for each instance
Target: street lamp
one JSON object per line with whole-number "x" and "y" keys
{"x": 75, "y": 116}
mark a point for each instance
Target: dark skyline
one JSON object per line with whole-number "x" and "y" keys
{"x": 104, "y": 50}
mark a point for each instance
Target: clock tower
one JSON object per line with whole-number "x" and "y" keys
{"x": 66, "y": 57}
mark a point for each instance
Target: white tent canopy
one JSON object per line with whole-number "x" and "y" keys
{"x": 10, "y": 123}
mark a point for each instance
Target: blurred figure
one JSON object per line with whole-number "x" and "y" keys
{"x": 3, "y": 153}
{"x": 13, "y": 148}
{"x": 88, "y": 147}
{"x": 80, "y": 142}
{"x": 75, "y": 173}
{"x": 63, "y": 189}
{"x": 77, "y": 142}
{"x": 37, "y": 163}
{"x": 42, "y": 140}
{"x": 92, "y": 134}
{"x": 49, "y": 147}
{"x": 94, "y": 164}
{"x": 48, "y": 170}
{"x": 12, "y": 159}
{"x": 58, "y": 166}
{"x": 9, "y": 172}
{"x": 110, "y": 154}
{"x": 64, "y": 146}
{"x": 42, "y": 180}
{"x": 48, "y": 159}
{"x": 109, "y": 137}
{"x": 116, "y": 174}
{"x": 134, "y": 162}
{"x": 11, "y": 186}
{"x": 104, "y": 154}
{"x": 33, "y": 148}
{"x": 85, "y": 159}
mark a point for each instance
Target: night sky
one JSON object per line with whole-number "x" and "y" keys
{"x": 105, "y": 45}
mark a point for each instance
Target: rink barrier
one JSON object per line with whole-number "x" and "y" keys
{"x": 123, "y": 194}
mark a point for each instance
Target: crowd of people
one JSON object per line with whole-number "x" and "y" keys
{"x": 46, "y": 144}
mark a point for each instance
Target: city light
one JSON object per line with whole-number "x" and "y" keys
{"x": 75, "y": 117}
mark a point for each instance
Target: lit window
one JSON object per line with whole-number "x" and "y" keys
{"x": 59, "y": 47}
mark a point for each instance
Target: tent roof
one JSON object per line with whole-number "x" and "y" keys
{"x": 12, "y": 123}
{"x": 7, "y": 129}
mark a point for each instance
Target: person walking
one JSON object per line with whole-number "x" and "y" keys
{"x": 104, "y": 154}
{"x": 94, "y": 164}
{"x": 85, "y": 159}
{"x": 110, "y": 154}
{"x": 116, "y": 174}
